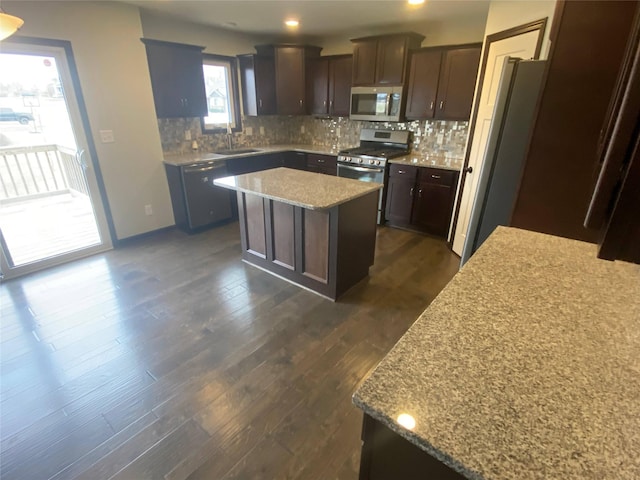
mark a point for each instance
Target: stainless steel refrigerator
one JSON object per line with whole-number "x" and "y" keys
{"x": 506, "y": 150}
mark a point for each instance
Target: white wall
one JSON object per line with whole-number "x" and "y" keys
{"x": 114, "y": 77}
{"x": 218, "y": 41}
{"x": 505, "y": 14}
{"x": 463, "y": 30}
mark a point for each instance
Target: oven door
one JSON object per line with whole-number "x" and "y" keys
{"x": 364, "y": 174}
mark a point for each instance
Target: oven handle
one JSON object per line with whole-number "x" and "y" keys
{"x": 361, "y": 169}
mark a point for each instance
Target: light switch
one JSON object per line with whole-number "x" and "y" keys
{"x": 106, "y": 136}
{"x": 261, "y": 130}
{"x": 248, "y": 131}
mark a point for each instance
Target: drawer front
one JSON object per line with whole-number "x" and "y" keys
{"x": 406, "y": 171}
{"x": 322, "y": 161}
{"x": 437, "y": 176}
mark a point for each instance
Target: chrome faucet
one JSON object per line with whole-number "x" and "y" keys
{"x": 229, "y": 137}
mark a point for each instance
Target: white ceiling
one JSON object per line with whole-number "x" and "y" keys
{"x": 317, "y": 17}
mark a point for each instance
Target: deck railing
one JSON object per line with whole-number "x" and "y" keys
{"x": 40, "y": 170}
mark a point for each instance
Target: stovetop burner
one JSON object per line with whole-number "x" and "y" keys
{"x": 378, "y": 145}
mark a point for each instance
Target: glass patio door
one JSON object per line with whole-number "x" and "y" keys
{"x": 51, "y": 210}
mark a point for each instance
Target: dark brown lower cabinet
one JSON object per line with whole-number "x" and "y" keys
{"x": 327, "y": 164}
{"x": 420, "y": 198}
{"x": 296, "y": 160}
{"x": 326, "y": 251}
{"x": 386, "y": 455}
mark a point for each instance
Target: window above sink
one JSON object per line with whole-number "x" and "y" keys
{"x": 221, "y": 85}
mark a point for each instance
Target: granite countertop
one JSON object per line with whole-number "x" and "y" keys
{"x": 189, "y": 158}
{"x": 433, "y": 161}
{"x": 313, "y": 191}
{"x": 526, "y": 366}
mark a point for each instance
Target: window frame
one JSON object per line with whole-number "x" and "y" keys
{"x": 234, "y": 101}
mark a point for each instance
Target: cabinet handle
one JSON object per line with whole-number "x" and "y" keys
{"x": 320, "y": 160}
{"x": 300, "y": 102}
{"x": 324, "y": 103}
{"x": 260, "y": 103}
{"x": 441, "y": 104}
{"x": 420, "y": 193}
{"x": 411, "y": 192}
{"x": 330, "y": 103}
{"x": 431, "y": 105}
{"x": 435, "y": 176}
{"x": 400, "y": 172}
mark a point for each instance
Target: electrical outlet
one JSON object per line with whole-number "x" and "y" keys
{"x": 248, "y": 131}
{"x": 301, "y": 128}
{"x": 106, "y": 136}
{"x": 187, "y": 134}
{"x": 261, "y": 130}
{"x": 337, "y": 131}
{"x": 148, "y": 210}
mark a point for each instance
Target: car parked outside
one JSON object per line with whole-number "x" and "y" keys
{"x": 9, "y": 115}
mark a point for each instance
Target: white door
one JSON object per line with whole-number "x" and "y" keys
{"x": 522, "y": 46}
{"x": 51, "y": 209}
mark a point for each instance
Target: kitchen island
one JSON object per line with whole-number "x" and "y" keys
{"x": 314, "y": 230}
{"x": 526, "y": 366}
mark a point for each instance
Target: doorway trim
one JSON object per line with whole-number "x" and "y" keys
{"x": 540, "y": 26}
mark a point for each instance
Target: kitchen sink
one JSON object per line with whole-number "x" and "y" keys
{"x": 237, "y": 151}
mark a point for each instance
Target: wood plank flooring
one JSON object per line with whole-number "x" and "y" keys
{"x": 171, "y": 359}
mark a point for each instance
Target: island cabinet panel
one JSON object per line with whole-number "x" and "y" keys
{"x": 254, "y": 215}
{"x": 327, "y": 251}
{"x": 386, "y": 455}
{"x": 315, "y": 252}
{"x": 283, "y": 245}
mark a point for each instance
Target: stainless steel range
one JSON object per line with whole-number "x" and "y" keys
{"x": 368, "y": 161}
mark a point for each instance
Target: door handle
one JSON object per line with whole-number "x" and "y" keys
{"x": 80, "y": 159}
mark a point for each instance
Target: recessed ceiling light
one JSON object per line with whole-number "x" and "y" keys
{"x": 415, "y": 2}
{"x": 291, "y": 23}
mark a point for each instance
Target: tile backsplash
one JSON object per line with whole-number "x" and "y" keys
{"x": 430, "y": 137}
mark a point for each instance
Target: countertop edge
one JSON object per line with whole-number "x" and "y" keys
{"x": 373, "y": 188}
{"x": 425, "y": 446}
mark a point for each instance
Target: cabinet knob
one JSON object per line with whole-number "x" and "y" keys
{"x": 468, "y": 170}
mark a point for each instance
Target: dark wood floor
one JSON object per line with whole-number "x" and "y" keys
{"x": 170, "y": 359}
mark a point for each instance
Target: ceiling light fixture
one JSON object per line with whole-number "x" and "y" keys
{"x": 291, "y": 23}
{"x": 9, "y": 24}
{"x": 415, "y": 2}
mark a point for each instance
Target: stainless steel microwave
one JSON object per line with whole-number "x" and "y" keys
{"x": 376, "y": 104}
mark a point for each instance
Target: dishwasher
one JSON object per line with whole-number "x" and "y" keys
{"x": 197, "y": 202}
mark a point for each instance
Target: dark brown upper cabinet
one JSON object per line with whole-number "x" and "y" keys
{"x": 258, "y": 77}
{"x": 382, "y": 60}
{"x": 177, "y": 79}
{"x": 277, "y": 75}
{"x": 330, "y": 85}
{"x": 442, "y": 81}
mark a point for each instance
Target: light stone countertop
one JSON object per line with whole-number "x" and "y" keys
{"x": 313, "y": 191}
{"x": 189, "y": 158}
{"x": 433, "y": 161}
{"x": 526, "y": 366}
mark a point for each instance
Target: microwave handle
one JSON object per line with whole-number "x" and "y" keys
{"x": 388, "y": 104}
